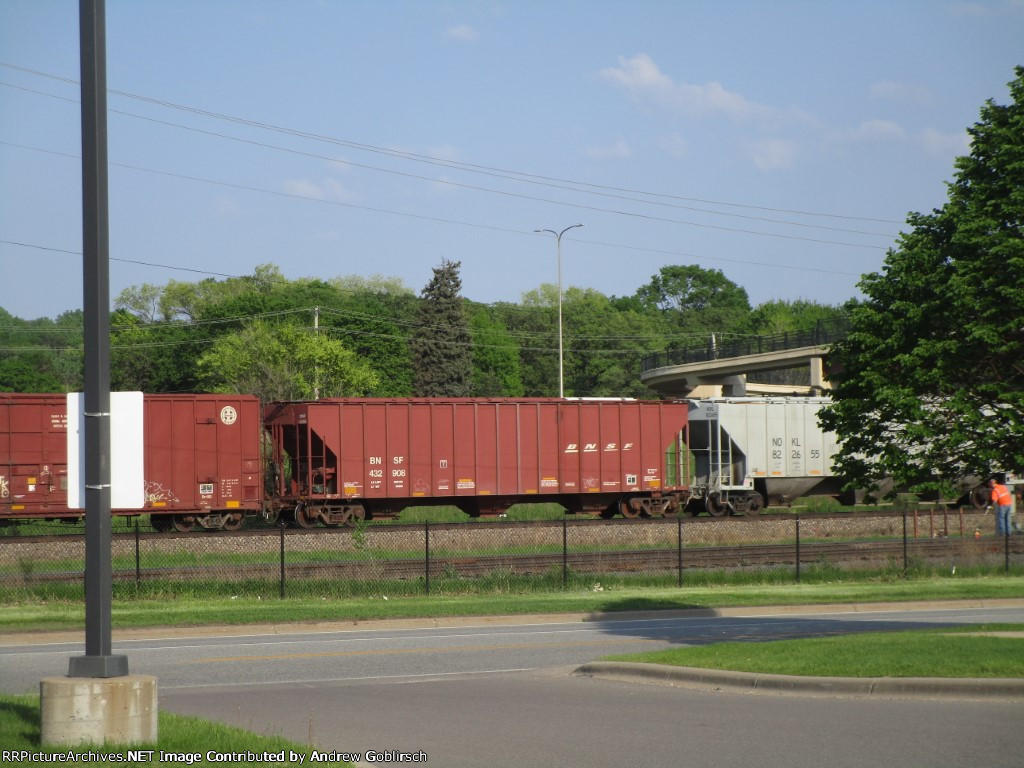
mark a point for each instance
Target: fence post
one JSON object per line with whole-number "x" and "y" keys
{"x": 798, "y": 549}
{"x": 905, "y": 561}
{"x": 679, "y": 541}
{"x": 426, "y": 545}
{"x": 283, "y": 524}
{"x": 138, "y": 562}
{"x": 1006, "y": 542}
{"x": 565, "y": 553}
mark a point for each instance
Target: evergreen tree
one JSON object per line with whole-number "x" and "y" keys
{"x": 442, "y": 351}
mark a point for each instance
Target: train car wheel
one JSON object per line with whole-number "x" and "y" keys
{"x": 753, "y": 503}
{"x": 184, "y": 523}
{"x": 715, "y": 506}
{"x": 356, "y": 513}
{"x": 980, "y": 497}
{"x": 305, "y": 517}
{"x": 271, "y": 515}
{"x": 626, "y": 509}
{"x": 233, "y": 522}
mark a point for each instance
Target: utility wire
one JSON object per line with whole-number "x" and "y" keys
{"x": 572, "y": 185}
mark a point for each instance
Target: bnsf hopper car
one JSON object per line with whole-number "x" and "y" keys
{"x": 336, "y": 461}
{"x": 202, "y": 463}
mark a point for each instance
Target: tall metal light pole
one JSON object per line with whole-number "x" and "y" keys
{"x": 558, "y": 250}
{"x": 99, "y": 661}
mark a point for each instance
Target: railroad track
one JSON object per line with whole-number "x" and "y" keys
{"x": 368, "y": 567}
{"x": 939, "y": 519}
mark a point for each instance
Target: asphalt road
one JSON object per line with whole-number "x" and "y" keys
{"x": 497, "y": 693}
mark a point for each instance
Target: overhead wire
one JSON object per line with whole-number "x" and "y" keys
{"x": 572, "y": 185}
{"x": 508, "y": 175}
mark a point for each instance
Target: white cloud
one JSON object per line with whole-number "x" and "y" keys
{"x": 641, "y": 77}
{"x": 619, "y": 149}
{"x": 772, "y": 154}
{"x": 463, "y": 33}
{"x": 327, "y": 189}
{"x": 878, "y": 130}
{"x": 937, "y": 143}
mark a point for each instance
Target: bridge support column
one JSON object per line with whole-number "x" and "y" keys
{"x": 735, "y": 386}
{"x": 818, "y": 383}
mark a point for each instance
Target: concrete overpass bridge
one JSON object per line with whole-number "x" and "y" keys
{"x": 717, "y": 370}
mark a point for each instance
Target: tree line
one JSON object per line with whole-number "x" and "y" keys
{"x": 351, "y": 336}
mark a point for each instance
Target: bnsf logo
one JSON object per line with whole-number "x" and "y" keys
{"x": 592, "y": 447}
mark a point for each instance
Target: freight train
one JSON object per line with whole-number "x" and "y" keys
{"x": 210, "y": 461}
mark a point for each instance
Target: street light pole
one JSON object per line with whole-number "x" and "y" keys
{"x": 558, "y": 251}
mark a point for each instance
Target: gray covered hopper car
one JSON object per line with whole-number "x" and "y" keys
{"x": 747, "y": 452}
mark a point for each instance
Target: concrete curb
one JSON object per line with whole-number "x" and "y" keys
{"x": 917, "y": 687}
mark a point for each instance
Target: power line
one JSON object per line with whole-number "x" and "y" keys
{"x": 748, "y": 262}
{"x": 509, "y": 175}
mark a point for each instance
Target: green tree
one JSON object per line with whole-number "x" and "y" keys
{"x": 496, "y": 370}
{"x": 442, "y": 353}
{"x": 374, "y": 321}
{"x": 604, "y": 346}
{"x": 782, "y": 316}
{"x": 41, "y": 355}
{"x": 283, "y": 362}
{"x": 535, "y": 322}
{"x": 26, "y": 372}
{"x": 152, "y": 356}
{"x": 931, "y": 382}
{"x": 697, "y": 299}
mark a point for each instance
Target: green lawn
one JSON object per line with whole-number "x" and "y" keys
{"x": 188, "y": 609}
{"x": 20, "y": 730}
{"x": 923, "y": 653}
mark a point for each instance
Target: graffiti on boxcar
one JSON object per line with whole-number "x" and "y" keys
{"x": 5, "y": 490}
{"x": 156, "y": 493}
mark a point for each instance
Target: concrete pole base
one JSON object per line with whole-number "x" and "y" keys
{"x": 90, "y": 710}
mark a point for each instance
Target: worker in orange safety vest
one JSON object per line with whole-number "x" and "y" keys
{"x": 1002, "y": 500}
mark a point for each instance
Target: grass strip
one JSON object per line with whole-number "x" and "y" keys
{"x": 30, "y": 613}
{"x": 920, "y": 653}
{"x": 20, "y": 729}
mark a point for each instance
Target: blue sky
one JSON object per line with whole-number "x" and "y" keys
{"x": 781, "y": 142}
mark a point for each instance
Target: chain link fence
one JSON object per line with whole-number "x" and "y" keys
{"x": 505, "y": 557}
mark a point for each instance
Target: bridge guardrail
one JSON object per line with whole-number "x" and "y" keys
{"x": 822, "y": 333}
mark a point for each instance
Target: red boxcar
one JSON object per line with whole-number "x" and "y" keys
{"x": 202, "y": 462}
{"x": 344, "y": 458}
